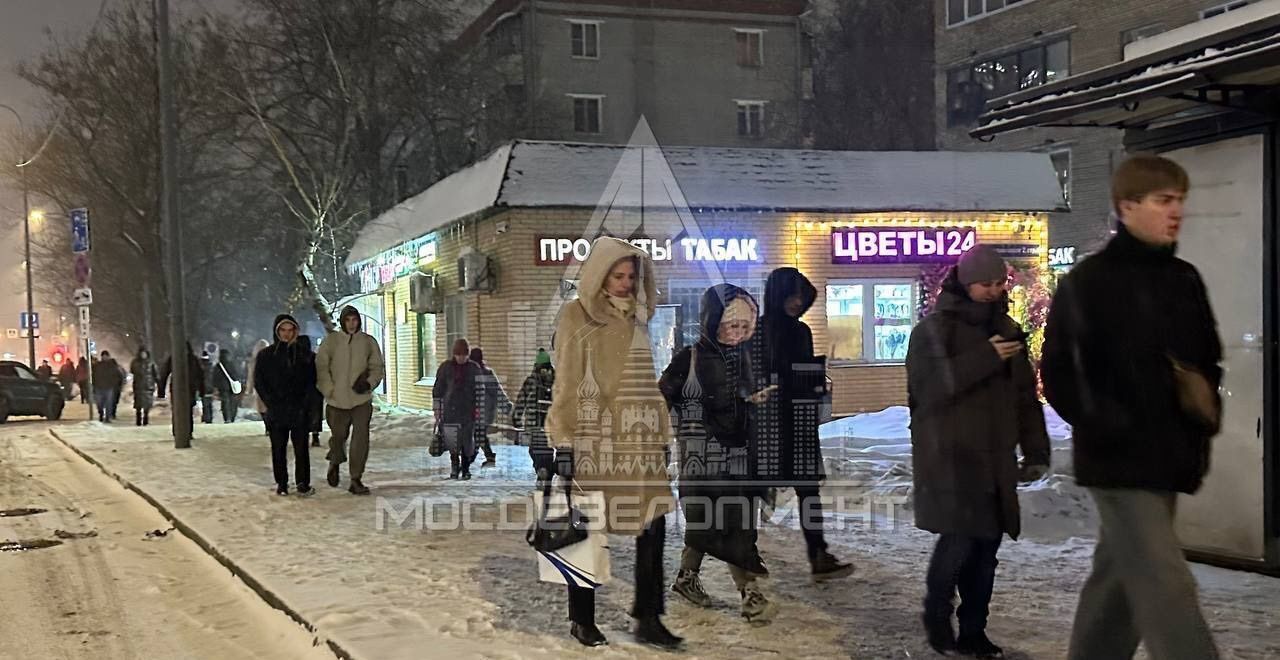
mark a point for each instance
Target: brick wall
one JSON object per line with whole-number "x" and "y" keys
{"x": 1094, "y": 28}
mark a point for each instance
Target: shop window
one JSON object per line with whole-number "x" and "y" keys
{"x": 587, "y": 113}
{"x": 751, "y": 118}
{"x": 871, "y": 320}
{"x": 971, "y": 86}
{"x": 1223, "y": 8}
{"x": 455, "y": 321}
{"x": 960, "y": 11}
{"x": 428, "y": 357}
{"x": 750, "y": 47}
{"x": 585, "y": 38}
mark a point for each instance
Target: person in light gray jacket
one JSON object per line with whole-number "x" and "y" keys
{"x": 349, "y": 367}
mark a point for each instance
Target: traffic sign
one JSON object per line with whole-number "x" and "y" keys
{"x": 84, "y": 326}
{"x": 82, "y": 297}
{"x": 82, "y": 269}
{"x": 79, "y": 230}
{"x": 24, "y": 332}
{"x": 29, "y": 320}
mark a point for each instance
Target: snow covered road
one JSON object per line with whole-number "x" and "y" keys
{"x": 108, "y": 591}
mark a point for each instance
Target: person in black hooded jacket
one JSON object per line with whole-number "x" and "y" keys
{"x": 711, "y": 388}
{"x": 284, "y": 376}
{"x": 782, "y": 355}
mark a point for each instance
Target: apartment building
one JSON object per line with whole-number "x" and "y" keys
{"x": 703, "y": 72}
{"x": 986, "y": 49}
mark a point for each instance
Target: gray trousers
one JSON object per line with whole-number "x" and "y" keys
{"x": 1141, "y": 588}
{"x": 353, "y": 423}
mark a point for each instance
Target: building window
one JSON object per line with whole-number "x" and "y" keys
{"x": 1138, "y": 34}
{"x": 455, "y": 321}
{"x": 585, "y": 38}
{"x": 960, "y": 11}
{"x": 1062, "y": 165}
{"x": 1223, "y": 8}
{"x": 506, "y": 37}
{"x": 971, "y": 86}
{"x": 587, "y": 113}
{"x": 750, "y": 118}
{"x": 750, "y": 47}
{"x": 871, "y": 320}
{"x": 428, "y": 359}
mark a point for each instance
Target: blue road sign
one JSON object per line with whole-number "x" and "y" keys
{"x": 29, "y": 322}
{"x": 79, "y": 230}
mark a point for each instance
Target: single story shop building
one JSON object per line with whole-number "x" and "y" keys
{"x": 491, "y": 252}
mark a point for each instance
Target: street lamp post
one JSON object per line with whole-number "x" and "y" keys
{"x": 26, "y": 237}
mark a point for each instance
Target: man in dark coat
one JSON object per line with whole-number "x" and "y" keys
{"x": 224, "y": 373}
{"x": 82, "y": 379}
{"x": 972, "y": 394}
{"x": 787, "y": 431}
{"x": 67, "y": 378}
{"x": 195, "y": 379}
{"x": 458, "y": 397}
{"x": 108, "y": 377}
{"x": 284, "y": 376}
{"x": 1130, "y": 327}
{"x": 44, "y": 372}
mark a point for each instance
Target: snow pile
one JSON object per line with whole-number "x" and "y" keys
{"x": 869, "y": 456}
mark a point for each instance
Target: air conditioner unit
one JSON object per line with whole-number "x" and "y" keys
{"x": 424, "y": 297}
{"x": 476, "y": 272}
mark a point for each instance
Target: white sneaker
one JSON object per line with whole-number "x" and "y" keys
{"x": 756, "y": 608}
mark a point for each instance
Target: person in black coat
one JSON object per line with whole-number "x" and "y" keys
{"x": 284, "y": 376}
{"x": 972, "y": 394}
{"x": 315, "y": 402}
{"x": 458, "y": 397}
{"x": 710, "y": 386}
{"x": 224, "y": 373}
{"x": 787, "y": 430}
{"x": 195, "y": 379}
{"x": 1131, "y": 361}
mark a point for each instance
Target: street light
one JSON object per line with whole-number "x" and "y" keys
{"x": 26, "y": 235}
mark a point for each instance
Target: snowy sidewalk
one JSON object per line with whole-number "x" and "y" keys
{"x": 402, "y": 592}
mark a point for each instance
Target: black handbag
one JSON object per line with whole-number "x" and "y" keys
{"x": 436, "y": 448}
{"x": 551, "y": 534}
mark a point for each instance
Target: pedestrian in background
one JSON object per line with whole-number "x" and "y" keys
{"x": 107, "y": 380}
{"x": 458, "y": 397}
{"x": 224, "y": 376}
{"x": 145, "y": 378}
{"x": 495, "y": 398}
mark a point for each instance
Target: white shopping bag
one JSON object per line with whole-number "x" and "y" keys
{"x": 584, "y": 564}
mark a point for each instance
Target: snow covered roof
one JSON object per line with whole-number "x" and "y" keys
{"x": 531, "y": 174}
{"x": 1179, "y": 81}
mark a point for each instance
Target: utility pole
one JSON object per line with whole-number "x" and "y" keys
{"x": 180, "y": 374}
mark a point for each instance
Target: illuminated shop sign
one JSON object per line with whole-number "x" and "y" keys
{"x": 1062, "y": 257}
{"x": 900, "y": 245}
{"x": 560, "y": 251}
{"x": 396, "y": 262}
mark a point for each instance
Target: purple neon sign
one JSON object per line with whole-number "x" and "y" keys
{"x": 900, "y": 245}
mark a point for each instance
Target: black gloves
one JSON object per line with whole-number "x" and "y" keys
{"x": 361, "y": 385}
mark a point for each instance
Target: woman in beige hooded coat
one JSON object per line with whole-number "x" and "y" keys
{"x": 608, "y": 422}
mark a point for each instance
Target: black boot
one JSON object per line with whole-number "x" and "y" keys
{"x": 146, "y": 418}
{"x": 650, "y": 630}
{"x": 976, "y": 644}
{"x": 315, "y": 439}
{"x": 138, "y": 415}
{"x": 826, "y": 567}
{"x": 588, "y": 635}
{"x": 333, "y": 476}
{"x": 455, "y": 465}
{"x": 937, "y": 627}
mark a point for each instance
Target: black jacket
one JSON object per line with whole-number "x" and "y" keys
{"x": 224, "y": 371}
{"x": 107, "y": 375}
{"x": 459, "y": 391}
{"x": 195, "y": 375}
{"x": 1116, "y": 321}
{"x": 970, "y": 411}
{"x": 284, "y": 377}
{"x": 788, "y": 423}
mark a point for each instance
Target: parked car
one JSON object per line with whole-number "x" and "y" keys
{"x": 21, "y": 393}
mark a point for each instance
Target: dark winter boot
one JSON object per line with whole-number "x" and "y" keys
{"x": 358, "y": 488}
{"x": 937, "y": 627}
{"x": 977, "y": 645}
{"x": 650, "y": 630}
{"x": 466, "y": 474}
{"x": 455, "y": 466}
{"x": 332, "y": 476}
{"x": 146, "y": 418}
{"x": 138, "y": 415}
{"x": 315, "y": 439}
{"x": 588, "y": 635}
{"x": 827, "y": 567}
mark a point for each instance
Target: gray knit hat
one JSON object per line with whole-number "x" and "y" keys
{"x": 981, "y": 264}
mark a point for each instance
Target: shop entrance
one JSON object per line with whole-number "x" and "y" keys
{"x": 1223, "y": 236}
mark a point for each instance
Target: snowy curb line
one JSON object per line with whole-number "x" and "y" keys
{"x": 266, "y": 594}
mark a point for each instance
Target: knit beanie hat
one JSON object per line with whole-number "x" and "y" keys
{"x": 543, "y": 359}
{"x": 981, "y": 264}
